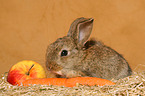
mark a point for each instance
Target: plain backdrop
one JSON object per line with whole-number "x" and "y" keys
{"x": 27, "y": 27}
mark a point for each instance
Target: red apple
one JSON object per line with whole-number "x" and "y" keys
{"x": 25, "y": 70}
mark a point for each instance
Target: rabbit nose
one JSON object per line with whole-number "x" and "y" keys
{"x": 53, "y": 66}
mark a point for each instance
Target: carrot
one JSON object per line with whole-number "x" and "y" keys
{"x": 45, "y": 81}
{"x": 91, "y": 81}
{"x": 70, "y": 82}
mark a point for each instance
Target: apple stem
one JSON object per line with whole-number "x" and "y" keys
{"x": 30, "y": 69}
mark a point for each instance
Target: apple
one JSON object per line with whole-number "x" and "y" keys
{"x": 24, "y": 70}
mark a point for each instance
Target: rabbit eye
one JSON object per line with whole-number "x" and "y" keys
{"x": 64, "y": 53}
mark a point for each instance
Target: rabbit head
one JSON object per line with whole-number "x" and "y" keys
{"x": 67, "y": 52}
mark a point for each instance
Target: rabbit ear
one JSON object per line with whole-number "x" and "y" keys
{"x": 80, "y": 30}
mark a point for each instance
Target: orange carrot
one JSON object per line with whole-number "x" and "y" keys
{"x": 71, "y": 82}
{"x": 91, "y": 81}
{"x": 45, "y": 81}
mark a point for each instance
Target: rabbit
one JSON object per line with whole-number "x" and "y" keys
{"x": 74, "y": 55}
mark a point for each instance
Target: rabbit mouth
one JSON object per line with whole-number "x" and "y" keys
{"x": 58, "y": 74}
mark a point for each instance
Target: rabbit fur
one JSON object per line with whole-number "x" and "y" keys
{"x": 74, "y": 55}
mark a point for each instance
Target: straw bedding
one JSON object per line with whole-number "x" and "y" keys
{"x": 132, "y": 85}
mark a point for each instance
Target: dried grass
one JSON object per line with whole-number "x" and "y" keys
{"x": 133, "y": 85}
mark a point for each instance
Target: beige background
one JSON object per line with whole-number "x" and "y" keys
{"x": 27, "y": 27}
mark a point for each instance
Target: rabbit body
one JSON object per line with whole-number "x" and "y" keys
{"x": 74, "y": 55}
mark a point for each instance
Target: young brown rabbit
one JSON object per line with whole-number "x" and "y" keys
{"x": 73, "y": 55}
